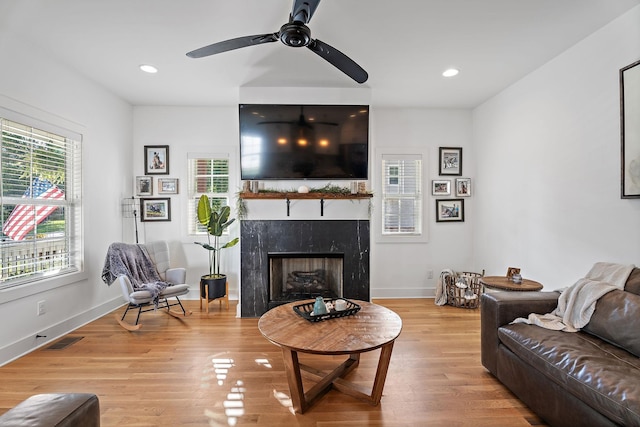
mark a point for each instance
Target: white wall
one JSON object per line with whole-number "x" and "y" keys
{"x": 548, "y": 156}
{"x": 34, "y": 85}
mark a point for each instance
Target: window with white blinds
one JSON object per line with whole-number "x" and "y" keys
{"x": 402, "y": 194}
{"x": 40, "y": 204}
{"x": 208, "y": 174}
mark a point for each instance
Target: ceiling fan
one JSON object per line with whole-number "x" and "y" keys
{"x": 294, "y": 33}
{"x": 302, "y": 121}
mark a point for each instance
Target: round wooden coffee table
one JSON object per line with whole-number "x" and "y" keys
{"x": 503, "y": 283}
{"x": 371, "y": 328}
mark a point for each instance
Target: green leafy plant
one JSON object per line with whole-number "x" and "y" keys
{"x": 216, "y": 221}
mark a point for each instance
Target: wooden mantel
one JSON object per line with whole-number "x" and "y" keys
{"x": 294, "y": 195}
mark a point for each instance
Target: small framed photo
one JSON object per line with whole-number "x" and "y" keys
{"x": 156, "y": 159}
{"x": 449, "y": 210}
{"x": 441, "y": 187}
{"x": 144, "y": 186}
{"x": 511, "y": 271}
{"x": 155, "y": 209}
{"x": 450, "y": 161}
{"x": 167, "y": 185}
{"x": 463, "y": 187}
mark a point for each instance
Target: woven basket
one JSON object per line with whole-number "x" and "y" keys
{"x": 464, "y": 297}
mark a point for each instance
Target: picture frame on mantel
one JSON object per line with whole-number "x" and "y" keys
{"x": 450, "y": 159}
{"x": 630, "y": 130}
{"x": 156, "y": 159}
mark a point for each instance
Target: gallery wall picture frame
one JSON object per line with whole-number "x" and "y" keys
{"x": 463, "y": 187}
{"x": 167, "y": 185}
{"x": 441, "y": 187}
{"x": 630, "y": 130}
{"x": 450, "y": 159}
{"x": 156, "y": 160}
{"x": 155, "y": 209}
{"x": 449, "y": 210}
{"x": 144, "y": 186}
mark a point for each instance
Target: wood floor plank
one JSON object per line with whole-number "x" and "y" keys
{"x": 217, "y": 370}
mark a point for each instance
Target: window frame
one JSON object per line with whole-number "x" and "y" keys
{"x": 193, "y": 195}
{"x": 37, "y": 283}
{"x": 381, "y": 178}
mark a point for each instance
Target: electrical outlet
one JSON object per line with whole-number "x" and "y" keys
{"x": 42, "y": 309}
{"x": 430, "y": 274}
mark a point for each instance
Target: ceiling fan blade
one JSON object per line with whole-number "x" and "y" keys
{"x": 303, "y": 10}
{"x": 232, "y": 44}
{"x": 339, "y": 60}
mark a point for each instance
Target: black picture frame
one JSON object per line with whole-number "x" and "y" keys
{"x": 630, "y": 131}
{"x": 155, "y": 209}
{"x": 450, "y": 161}
{"x": 156, "y": 160}
{"x": 450, "y": 210}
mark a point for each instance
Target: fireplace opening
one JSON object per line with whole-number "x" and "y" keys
{"x": 297, "y": 276}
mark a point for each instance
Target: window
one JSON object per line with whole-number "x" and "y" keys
{"x": 402, "y": 205}
{"x": 40, "y": 204}
{"x": 208, "y": 174}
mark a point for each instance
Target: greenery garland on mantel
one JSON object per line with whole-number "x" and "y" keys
{"x": 328, "y": 190}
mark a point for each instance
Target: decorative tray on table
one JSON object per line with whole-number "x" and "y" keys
{"x": 306, "y": 310}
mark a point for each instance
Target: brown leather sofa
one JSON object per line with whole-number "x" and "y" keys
{"x": 54, "y": 410}
{"x": 589, "y": 378}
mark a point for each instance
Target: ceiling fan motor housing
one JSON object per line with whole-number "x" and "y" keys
{"x": 295, "y": 35}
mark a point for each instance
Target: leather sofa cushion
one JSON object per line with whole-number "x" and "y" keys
{"x": 633, "y": 282}
{"x": 616, "y": 320}
{"x": 604, "y": 376}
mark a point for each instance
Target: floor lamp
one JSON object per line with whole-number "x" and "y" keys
{"x": 130, "y": 210}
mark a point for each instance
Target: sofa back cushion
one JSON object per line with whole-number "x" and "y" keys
{"x": 633, "y": 282}
{"x": 616, "y": 320}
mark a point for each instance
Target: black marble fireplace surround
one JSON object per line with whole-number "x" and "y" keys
{"x": 258, "y": 238}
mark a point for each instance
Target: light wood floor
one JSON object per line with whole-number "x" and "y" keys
{"x": 217, "y": 370}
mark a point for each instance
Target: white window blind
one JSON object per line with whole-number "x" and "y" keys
{"x": 40, "y": 205}
{"x": 208, "y": 174}
{"x": 402, "y": 194}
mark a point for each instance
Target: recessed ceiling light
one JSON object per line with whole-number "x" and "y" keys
{"x": 451, "y": 72}
{"x": 148, "y": 68}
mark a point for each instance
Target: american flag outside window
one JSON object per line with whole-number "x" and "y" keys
{"x": 24, "y": 218}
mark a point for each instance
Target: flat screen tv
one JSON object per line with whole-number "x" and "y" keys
{"x": 297, "y": 142}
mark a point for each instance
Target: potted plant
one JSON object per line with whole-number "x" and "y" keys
{"x": 216, "y": 221}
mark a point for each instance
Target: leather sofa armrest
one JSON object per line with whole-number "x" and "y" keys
{"x": 501, "y": 308}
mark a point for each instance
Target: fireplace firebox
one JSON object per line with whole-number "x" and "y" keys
{"x": 297, "y": 276}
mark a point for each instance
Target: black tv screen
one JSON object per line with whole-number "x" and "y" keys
{"x": 291, "y": 142}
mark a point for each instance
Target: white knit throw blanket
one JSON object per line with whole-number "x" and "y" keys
{"x": 577, "y": 303}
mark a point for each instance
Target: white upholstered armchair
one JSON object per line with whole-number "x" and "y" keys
{"x": 146, "y": 279}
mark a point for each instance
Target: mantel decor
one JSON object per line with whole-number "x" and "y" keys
{"x": 322, "y": 194}
{"x": 630, "y": 130}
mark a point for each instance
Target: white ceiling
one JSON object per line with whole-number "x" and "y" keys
{"x": 403, "y": 44}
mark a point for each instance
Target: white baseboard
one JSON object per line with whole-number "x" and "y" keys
{"x": 26, "y": 345}
{"x": 403, "y": 293}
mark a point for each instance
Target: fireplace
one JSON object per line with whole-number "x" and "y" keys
{"x": 333, "y": 251}
{"x": 297, "y": 276}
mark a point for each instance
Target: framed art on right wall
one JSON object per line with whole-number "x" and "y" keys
{"x": 630, "y": 130}
{"x": 450, "y": 159}
{"x": 463, "y": 187}
{"x": 449, "y": 210}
